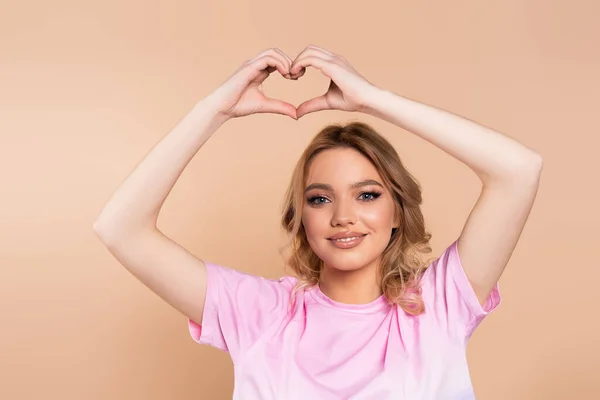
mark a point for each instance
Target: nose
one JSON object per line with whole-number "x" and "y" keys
{"x": 343, "y": 213}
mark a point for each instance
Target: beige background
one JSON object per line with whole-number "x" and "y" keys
{"x": 87, "y": 88}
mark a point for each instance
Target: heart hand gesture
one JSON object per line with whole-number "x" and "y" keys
{"x": 348, "y": 90}
{"x": 242, "y": 93}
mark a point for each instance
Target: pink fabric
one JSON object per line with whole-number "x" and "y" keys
{"x": 326, "y": 350}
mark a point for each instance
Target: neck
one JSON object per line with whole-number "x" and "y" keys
{"x": 360, "y": 286}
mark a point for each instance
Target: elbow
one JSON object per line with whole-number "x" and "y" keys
{"x": 533, "y": 168}
{"x": 103, "y": 232}
{"x": 102, "y": 225}
{"x": 98, "y": 226}
{"x": 537, "y": 162}
{"x": 530, "y": 170}
{"x": 110, "y": 232}
{"x": 525, "y": 170}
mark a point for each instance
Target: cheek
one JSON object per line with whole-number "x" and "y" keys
{"x": 311, "y": 221}
{"x": 381, "y": 217}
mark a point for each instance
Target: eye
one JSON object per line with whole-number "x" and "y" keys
{"x": 316, "y": 200}
{"x": 369, "y": 196}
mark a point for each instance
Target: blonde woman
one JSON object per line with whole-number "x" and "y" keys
{"x": 362, "y": 317}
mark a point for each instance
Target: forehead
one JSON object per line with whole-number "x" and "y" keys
{"x": 340, "y": 166}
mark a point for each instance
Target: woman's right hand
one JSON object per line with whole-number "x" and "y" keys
{"x": 242, "y": 93}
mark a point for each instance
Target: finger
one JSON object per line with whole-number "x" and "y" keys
{"x": 299, "y": 74}
{"x": 310, "y": 61}
{"x": 288, "y": 59}
{"x": 278, "y": 107}
{"x": 270, "y": 52}
{"x": 321, "y": 49}
{"x": 277, "y": 53}
{"x": 268, "y": 62}
{"x": 308, "y": 51}
{"x": 312, "y": 105}
{"x": 315, "y": 51}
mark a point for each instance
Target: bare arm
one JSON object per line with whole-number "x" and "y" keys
{"x": 509, "y": 171}
{"x": 127, "y": 224}
{"x": 510, "y": 175}
{"x": 137, "y": 202}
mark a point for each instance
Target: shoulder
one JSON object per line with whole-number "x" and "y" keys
{"x": 239, "y": 275}
{"x": 438, "y": 267}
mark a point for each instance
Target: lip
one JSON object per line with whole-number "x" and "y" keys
{"x": 350, "y": 243}
{"x": 347, "y": 234}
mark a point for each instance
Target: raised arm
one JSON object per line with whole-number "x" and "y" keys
{"x": 127, "y": 224}
{"x": 509, "y": 171}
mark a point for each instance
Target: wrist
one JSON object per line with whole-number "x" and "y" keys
{"x": 372, "y": 100}
{"x": 209, "y": 108}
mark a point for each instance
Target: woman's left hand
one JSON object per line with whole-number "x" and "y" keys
{"x": 348, "y": 90}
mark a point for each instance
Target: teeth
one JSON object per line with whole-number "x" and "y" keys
{"x": 347, "y": 239}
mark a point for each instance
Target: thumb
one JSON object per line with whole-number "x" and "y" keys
{"x": 278, "y": 107}
{"x": 312, "y": 105}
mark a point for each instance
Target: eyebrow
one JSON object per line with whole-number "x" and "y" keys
{"x": 355, "y": 185}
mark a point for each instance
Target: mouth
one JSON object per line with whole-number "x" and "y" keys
{"x": 347, "y": 242}
{"x": 347, "y": 239}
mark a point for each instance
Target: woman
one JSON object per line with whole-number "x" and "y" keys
{"x": 363, "y": 318}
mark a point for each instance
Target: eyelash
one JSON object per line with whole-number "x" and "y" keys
{"x": 374, "y": 194}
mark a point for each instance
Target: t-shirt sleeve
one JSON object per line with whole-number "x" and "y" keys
{"x": 448, "y": 294}
{"x": 238, "y": 307}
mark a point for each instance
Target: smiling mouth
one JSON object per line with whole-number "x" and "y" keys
{"x": 348, "y": 243}
{"x": 348, "y": 239}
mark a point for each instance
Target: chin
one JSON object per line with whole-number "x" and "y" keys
{"x": 346, "y": 262}
{"x": 345, "y": 268}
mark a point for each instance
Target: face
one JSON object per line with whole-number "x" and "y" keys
{"x": 345, "y": 195}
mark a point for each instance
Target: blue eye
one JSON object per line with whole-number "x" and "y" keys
{"x": 371, "y": 195}
{"x": 315, "y": 200}
{"x": 364, "y": 196}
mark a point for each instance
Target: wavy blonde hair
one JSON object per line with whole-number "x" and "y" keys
{"x": 400, "y": 266}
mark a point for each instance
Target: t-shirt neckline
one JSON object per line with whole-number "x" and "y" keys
{"x": 378, "y": 304}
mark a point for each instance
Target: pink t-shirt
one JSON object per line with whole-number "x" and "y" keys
{"x": 326, "y": 350}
